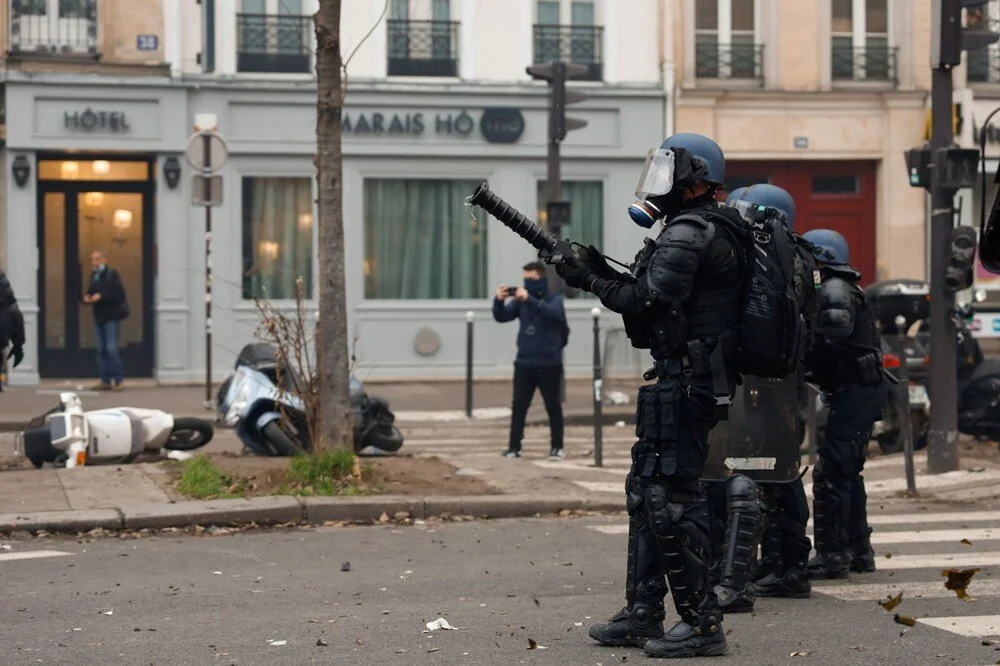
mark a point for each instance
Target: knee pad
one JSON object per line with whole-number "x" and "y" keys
{"x": 742, "y": 494}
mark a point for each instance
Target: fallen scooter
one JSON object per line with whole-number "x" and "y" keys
{"x": 261, "y": 401}
{"x": 68, "y": 436}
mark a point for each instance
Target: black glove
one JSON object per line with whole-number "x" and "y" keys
{"x": 595, "y": 261}
{"x": 574, "y": 273}
{"x": 17, "y": 353}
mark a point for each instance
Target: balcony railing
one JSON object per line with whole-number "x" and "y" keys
{"x": 577, "y": 44}
{"x": 34, "y": 30}
{"x": 271, "y": 43}
{"x": 422, "y": 48}
{"x": 729, "y": 61}
{"x": 865, "y": 63}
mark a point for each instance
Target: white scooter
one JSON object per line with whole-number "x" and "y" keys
{"x": 68, "y": 435}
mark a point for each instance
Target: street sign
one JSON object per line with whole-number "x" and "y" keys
{"x": 198, "y": 190}
{"x": 218, "y": 151}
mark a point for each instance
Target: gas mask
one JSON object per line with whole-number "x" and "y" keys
{"x": 667, "y": 172}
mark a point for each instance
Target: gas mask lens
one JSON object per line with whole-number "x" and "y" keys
{"x": 657, "y": 177}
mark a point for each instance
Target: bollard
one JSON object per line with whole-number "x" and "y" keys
{"x": 598, "y": 426}
{"x": 468, "y": 363}
{"x": 903, "y": 405}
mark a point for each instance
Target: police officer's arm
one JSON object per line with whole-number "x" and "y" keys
{"x": 669, "y": 277}
{"x": 551, "y": 310}
{"x": 836, "y": 309}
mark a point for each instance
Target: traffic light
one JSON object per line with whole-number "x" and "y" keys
{"x": 557, "y": 73}
{"x": 949, "y": 37}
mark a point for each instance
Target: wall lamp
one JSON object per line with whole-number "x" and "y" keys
{"x": 21, "y": 169}
{"x": 172, "y": 171}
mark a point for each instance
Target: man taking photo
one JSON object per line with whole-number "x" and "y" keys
{"x": 541, "y": 337}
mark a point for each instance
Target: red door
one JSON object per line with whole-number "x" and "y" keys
{"x": 828, "y": 195}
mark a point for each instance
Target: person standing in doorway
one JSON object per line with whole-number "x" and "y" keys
{"x": 539, "y": 364}
{"x": 106, "y": 296}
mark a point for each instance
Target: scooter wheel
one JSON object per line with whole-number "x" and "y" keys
{"x": 189, "y": 434}
{"x": 384, "y": 438}
{"x": 281, "y": 441}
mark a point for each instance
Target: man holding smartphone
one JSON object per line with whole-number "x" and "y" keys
{"x": 541, "y": 337}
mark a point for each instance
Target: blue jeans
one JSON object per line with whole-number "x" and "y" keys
{"x": 108, "y": 359}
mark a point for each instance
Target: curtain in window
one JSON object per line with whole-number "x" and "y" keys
{"x": 440, "y": 30}
{"x": 277, "y": 237}
{"x": 422, "y": 242}
{"x": 586, "y": 214}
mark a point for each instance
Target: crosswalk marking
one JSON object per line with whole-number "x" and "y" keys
{"x": 601, "y": 486}
{"x": 936, "y": 536}
{"x": 31, "y": 554}
{"x": 939, "y": 561}
{"x": 922, "y": 590}
{"x": 979, "y": 626}
{"x": 958, "y": 517}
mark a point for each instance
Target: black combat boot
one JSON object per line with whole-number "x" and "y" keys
{"x": 792, "y": 584}
{"x": 630, "y": 627}
{"x": 700, "y": 636}
{"x": 863, "y": 555}
{"x": 831, "y": 566}
{"x": 736, "y": 601}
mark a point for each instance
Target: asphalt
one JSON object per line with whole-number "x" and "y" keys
{"x": 285, "y": 597}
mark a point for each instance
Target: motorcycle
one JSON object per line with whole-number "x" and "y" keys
{"x": 261, "y": 400}
{"x": 67, "y": 435}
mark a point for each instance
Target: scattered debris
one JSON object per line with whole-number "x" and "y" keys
{"x": 110, "y": 612}
{"x": 346, "y": 566}
{"x": 888, "y": 556}
{"x": 533, "y": 645}
{"x": 434, "y": 649}
{"x": 800, "y": 653}
{"x": 619, "y": 424}
{"x": 439, "y": 623}
{"x": 217, "y": 573}
{"x": 959, "y": 580}
{"x": 6, "y": 546}
{"x": 966, "y": 542}
{"x": 384, "y": 518}
{"x": 904, "y": 619}
{"x": 322, "y": 642}
{"x": 890, "y": 603}
{"x": 275, "y": 643}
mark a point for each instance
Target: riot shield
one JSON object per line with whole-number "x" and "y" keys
{"x": 760, "y": 437}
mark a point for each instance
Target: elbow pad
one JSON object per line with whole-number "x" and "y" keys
{"x": 836, "y": 308}
{"x": 836, "y": 323}
{"x": 673, "y": 266}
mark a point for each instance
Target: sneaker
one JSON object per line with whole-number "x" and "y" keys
{"x": 101, "y": 386}
{"x": 793, "y": 584}
{"x": 683, "y": 640}
{"x": 556, "y": 453}
{"x": 630, "y": 629}
{"x": 511, "y": 453}
{"x": 831, "y": 566}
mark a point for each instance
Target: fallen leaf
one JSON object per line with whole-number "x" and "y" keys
{"x": 533, "y": 645}
{"x": 535, "y": 599}
{"x": 799, "y": 654}
{"x": 958, "y": 580}
{"x": 434, "y": 649}
{"x": 888, "y": 556}
{"x": 384, "y": 518}
{"x": 346, "y": 566}
{"x": 322, "y": 642}
{"x": 891, "y": 602}
{"x": 966, "y": 542}
{"x": 904, "y": 619}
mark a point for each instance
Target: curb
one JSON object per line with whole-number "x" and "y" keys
{"x": 282, "y": 510}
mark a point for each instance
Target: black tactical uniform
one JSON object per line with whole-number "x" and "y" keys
{"x": 682, "y": 303}
{"x": 11, "y": 324}
{"x": 846, "y": 363}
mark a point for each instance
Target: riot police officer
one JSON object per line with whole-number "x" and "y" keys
{"x": 846, "y": 363}
{"x": 682, "y": 302}
{"x": 740, "y": 520}
{"x": 11, "y": 327}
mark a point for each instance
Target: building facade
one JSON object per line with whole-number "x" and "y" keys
{"x": 437, "y": 100}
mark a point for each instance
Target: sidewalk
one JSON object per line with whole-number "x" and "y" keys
{"x": 410, "y": 401}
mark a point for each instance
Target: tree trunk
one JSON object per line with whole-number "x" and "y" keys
{"x": 332, "y": 353}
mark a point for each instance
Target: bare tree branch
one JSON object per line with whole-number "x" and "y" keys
{"x": 368, "y": 34}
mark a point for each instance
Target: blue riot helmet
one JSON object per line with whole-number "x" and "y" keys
{"x": 682, "y": 160}
{"x": 764, "y": 194}
{"x": 830, "y": 247}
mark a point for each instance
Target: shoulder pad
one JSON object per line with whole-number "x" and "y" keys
{"x": 687, "y": 231}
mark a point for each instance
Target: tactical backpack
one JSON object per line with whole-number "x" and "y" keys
{"x": 772, "y": 337}
{"x": 807, "y": 284}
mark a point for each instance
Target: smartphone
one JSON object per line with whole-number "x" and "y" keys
{"x": 511, "y": 291}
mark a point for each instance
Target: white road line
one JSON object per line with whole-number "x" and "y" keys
{"x": 979, "y": 626}
{"x": 956, "y": 517}
{"x": 603, "y": 487}
{"x": 947, "y": 481}
{"x": 31, "y": 554}
{"x": 936, "y": 536}
{"x": 929, "y": 590}
{"x": 955, "y": 560}
{"x": 610, "y": 529}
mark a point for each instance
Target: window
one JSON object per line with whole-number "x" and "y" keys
{"x": 860, "y": 40}
{"x": 53, "y": 27}
{"x": 277, "y": 237}
{"x": 423, "y": 39}
{"x": 984, "y": 62}
{"x": 421, "y": 241}
{"x": 836, "y": 185}
{"x": 565, "y": 30}
{"x": 586, "y": 212}
{"x": 273, "y": 36}
{"x": 725, "y": 44}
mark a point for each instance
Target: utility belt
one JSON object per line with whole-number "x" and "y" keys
{"x": 696, "y": 361}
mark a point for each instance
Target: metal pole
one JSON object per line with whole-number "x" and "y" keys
{"x": 468, "y": 363}
{"x": 207, "y": 174}
{"x": 903, "y": 405}
{"x": 598, "y": 424}
{"x": 553, "y": 178}
{"x": 942, "y": 452}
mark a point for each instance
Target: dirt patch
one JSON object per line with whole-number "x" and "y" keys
{"x": 396, "y": 475}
